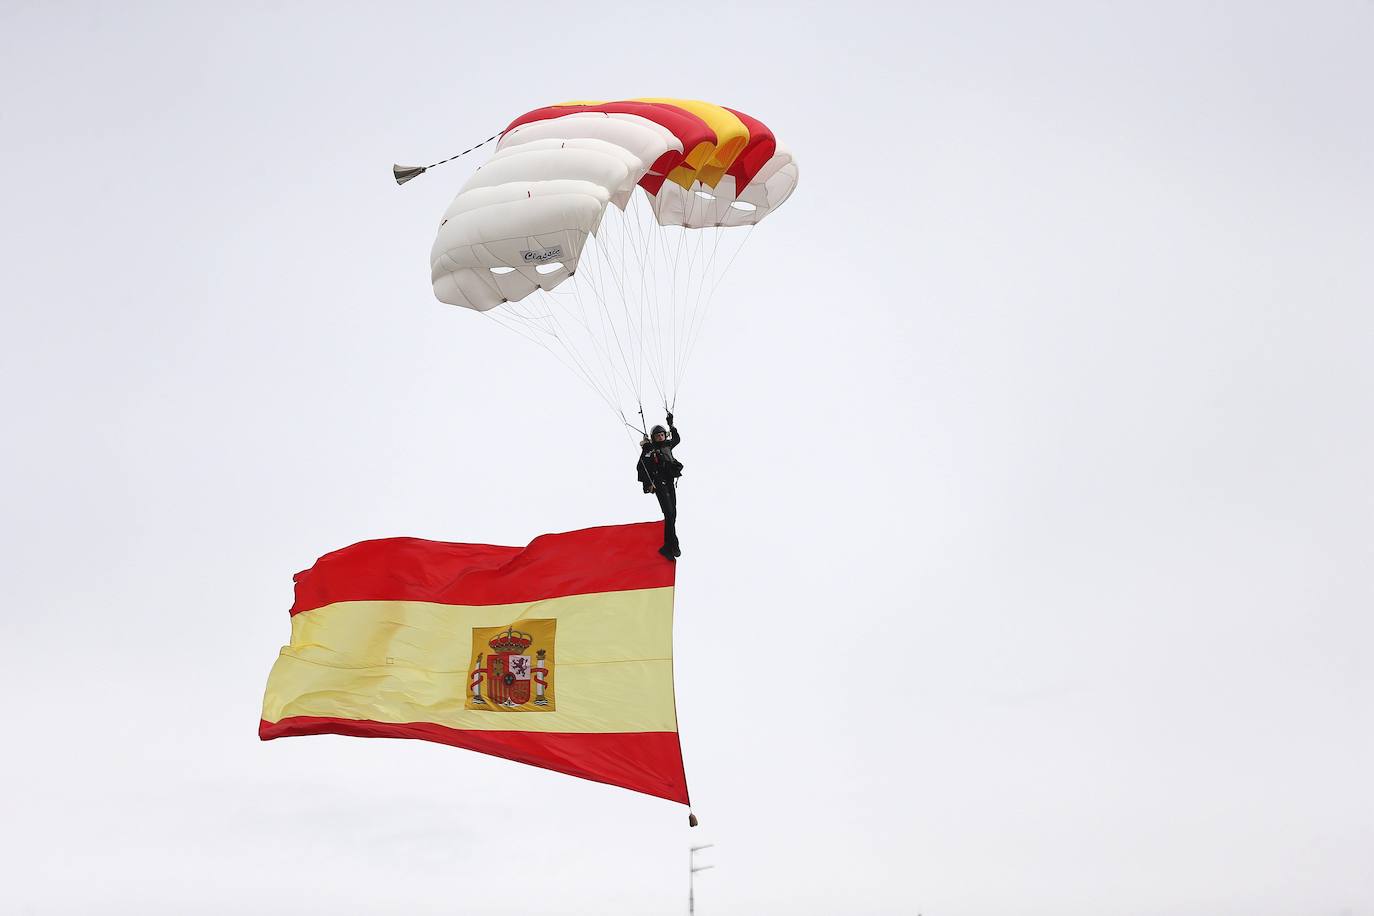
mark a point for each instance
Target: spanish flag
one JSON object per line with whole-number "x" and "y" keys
{"x": 558, "y": 654}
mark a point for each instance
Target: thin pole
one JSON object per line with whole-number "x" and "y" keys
{"x": 692, "y": 869}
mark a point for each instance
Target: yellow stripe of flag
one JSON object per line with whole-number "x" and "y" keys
{"x": 412, "y": 661}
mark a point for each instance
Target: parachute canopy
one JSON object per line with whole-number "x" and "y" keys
{"x": 523, "y": 221}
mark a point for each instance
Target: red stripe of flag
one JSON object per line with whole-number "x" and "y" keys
{"x": 606, "y": 559}
{"x": 648, "y": 762}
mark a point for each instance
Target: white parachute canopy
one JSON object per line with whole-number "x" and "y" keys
{"x": 556, "y": 239}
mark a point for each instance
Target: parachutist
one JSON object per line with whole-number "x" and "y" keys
{"x": 658, "y": 474}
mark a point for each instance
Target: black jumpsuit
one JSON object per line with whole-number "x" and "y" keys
{"x": 659, "y": 471}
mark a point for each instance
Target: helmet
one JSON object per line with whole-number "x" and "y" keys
{"x": 656, "y": 430}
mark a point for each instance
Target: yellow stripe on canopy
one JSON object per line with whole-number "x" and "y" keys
{"x": 732, "y": 136}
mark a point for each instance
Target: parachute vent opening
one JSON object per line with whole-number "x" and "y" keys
{"x": 549, "y": 268}
{"x": 743, "y": 205}
{"x": 502, "y": 270}
{"x": 705, "y": 195}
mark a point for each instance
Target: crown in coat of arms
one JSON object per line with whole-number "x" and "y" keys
{"x": 511, "y": 640}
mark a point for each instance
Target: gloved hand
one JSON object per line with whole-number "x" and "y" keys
{"x": 670, "y": 419}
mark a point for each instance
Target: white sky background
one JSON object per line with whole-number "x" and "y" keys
{"x": 1027, "y": 524}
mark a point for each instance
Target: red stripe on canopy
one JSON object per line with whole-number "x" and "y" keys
{"x": 687, "y": 127}
{"x": 761, "y": 147}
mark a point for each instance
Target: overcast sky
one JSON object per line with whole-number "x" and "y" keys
{"x": 1028, "y": 524}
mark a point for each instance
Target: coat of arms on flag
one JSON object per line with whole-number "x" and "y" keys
{"x": 512, "y": 669}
